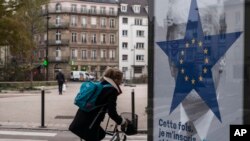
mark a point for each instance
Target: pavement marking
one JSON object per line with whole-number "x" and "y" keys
{"x": 20, "y": 140}
{"x": 27, "y": 133}
{"x": 130, "y": 138}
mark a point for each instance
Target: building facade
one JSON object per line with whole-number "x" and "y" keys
{"x": 133, "y": 38}
{"x": 82, "y": 35}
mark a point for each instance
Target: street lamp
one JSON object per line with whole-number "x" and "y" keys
{"x": 47, "y": 46}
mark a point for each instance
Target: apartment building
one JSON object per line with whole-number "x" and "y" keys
{"x": 82, "y": 35}
{"x": 133, "y": 38}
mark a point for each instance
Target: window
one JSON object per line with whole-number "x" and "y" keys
{"x": 58, "y": 7}
{"x": 45, "y": 36}
{"x": 103, "y": 38}
{"x": 125, "y": 45}
{"x": 140, "y": 33}
{"x": 58, "y": 20}
{"x": 83, "y": 9}
{"x": 124, "y": 57}
{"x": 136, "y": 8}
{"x": 84, "y": 22}
{"x": 103, "y": 22}
{"x": 124, "y": 69}
{"x": 84, "y": 38}
{"x": 112, "y": 54}
{"x": 124, "y": 32}
{"x": 73, "y": 20}
{"x": 73, "y": 8}
{"x": 74, "y": 37}
{"x": 138, "y": 21}
{"x": 84, "y": 54}
{"x": 102, "y": 10}
{"x": 93, "y": 54}
{"x": 58, "y": 35}
{"x": 139, "y": 57}
{"x": 58, "y": 52}
{"x": 103, "y": 54}
{"x": 74, "y": 54}
{"x": 137, "y": 69}
{"x": 93, "y": 9}
{"x": 125, "y": 20}
{"x": 112, "y": 39}
{"x": 111, "y": 11}
{"x": 93, "y": 21}
{"x": 93, "y": 39}
{"x": 124, "y": 8}
{"x": 139, "y": 45}
{"x": 112, "y": 23}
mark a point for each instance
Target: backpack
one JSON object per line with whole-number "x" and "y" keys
{"x": 89, "y": 91}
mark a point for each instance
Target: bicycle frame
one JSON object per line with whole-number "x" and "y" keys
{"x": 116, "y": 133}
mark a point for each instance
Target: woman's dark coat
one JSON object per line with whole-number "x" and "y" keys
{"x": 81, "y": 123}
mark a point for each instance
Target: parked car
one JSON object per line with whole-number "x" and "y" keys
{"x": 81, "y": 76}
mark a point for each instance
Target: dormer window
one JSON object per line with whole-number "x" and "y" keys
{"x": 124, "y": 7}
{"x": 136, "y": 8}
{"x": 146, "y": 8}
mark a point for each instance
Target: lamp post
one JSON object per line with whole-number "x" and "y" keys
{"x": 133, "y": 64}
{"x": 47, "y": 46}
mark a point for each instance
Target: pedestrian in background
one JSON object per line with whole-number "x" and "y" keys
{"x": 60, "y": 80}
{"x": 83, "y": 121}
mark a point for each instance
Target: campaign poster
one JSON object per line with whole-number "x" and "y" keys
{"x": 198, "y": 69}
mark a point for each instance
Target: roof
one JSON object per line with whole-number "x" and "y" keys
{"x": 130, "y": 3}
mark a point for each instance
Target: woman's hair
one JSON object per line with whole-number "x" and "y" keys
{"x": 113, "y": 73}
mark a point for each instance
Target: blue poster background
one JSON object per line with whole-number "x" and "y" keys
{"x": 198, "y": 71}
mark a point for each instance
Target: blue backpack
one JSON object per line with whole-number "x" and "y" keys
{"x": 88, "y": 94}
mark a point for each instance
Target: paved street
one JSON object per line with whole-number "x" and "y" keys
{"x": 53, "y": 135}
{"x": 23, "y": 110}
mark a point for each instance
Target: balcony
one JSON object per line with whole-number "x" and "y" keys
{"x": 59, "y": 26}
{"x": 60, "y": 59}
{"x": 63, "y": 42}
{"x": 68, "y": 10}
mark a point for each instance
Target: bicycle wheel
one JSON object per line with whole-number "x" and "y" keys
{"x": 124, "y": 138}
{"x": 115, "y": 137}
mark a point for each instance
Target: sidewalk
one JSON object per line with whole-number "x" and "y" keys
{"x": 23, "y": 110}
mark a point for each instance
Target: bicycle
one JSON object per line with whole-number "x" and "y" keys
{"x": 129, "y": 129}
{"x": 116, "y": 134}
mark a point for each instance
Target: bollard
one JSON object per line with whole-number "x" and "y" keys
{"x": 42, "y": 107}
{"x": 133, "y": 105}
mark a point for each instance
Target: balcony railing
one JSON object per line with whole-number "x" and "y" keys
{"x": 63, "y": 42}
{"x": 59, "y": 25}
{"x": 61, "y": 59}
{"x": 79, "y": 11}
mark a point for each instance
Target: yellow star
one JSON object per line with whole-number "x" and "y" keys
{"x": 205, "y": 51}
{"x": 200, "y": 44}
{"x": 193, "y": 81}
{"x": 182, "y": 71}
{"x": 206, "y": 60}
{"x": 201, "y": 78}
{"x": 187, "y": 45}
{"x": 205, "y": 70}
{"x": 181, "y": 61}
{"x": 182, "y": 52}
{"x": 186, "y": 78}
{"x": 193, "y": 41}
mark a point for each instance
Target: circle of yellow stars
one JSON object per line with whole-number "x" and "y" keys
{"x": 199, "y": 44}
